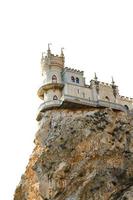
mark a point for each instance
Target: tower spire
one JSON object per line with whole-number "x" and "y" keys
{"x": 49, "y": 51}
{"x": 62, "y": 53}
{"x": 49, "y": 46}
{"x": 95, "y": 77}
{"x": 113, "y": 82}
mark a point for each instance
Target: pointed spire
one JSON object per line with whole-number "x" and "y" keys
{"x": 113, "y": 82}
{"x": 95, "y": 77}
{"x": 49, "y": 51}
{"x": 49, "y": 46}
{"x": 62, "y": 53}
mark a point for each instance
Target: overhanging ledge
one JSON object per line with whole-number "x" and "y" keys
{"x": 48, "y": 86}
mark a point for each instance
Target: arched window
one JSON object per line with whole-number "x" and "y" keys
{"x": 127, "y": 108}
{"x": 55, "y": 97}
{"x": 54, "y": 79}
{"x": 107, "y": 98}
{"x": 72, "y": 78}
{"x": 77, "y": 80}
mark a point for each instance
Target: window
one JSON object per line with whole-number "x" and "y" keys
{"x": 127, "y": 108}
{"x": 107, "y": 98}
{"x": 72, "y": 78}
{"x": 55, "y": 97}
{"x": 54, "y": 79}
{"x": 77, "y": 80}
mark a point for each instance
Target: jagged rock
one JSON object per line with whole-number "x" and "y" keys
{"x": 80, "y": 155}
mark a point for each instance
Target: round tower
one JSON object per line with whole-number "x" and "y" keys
{"x": 52, "y": 67}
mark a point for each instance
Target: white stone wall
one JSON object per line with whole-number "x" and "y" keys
{"x": 77, "y": 91}
{"x": 67, "y": 78}
{"x": 125, "y": 102}
{"x": 49, "y": 72}
{"x": 106, "y": 91}
{"x": 48, "y": 96}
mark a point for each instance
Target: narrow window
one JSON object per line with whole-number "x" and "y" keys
{"x": 77, "y": 80}
{"x": 54, "y": 79}
{"x": 127, "y": 108}
{"x": 72, "y": 78}
{"x": 78, "y": 91}
{"x": 55, "y": 97}
{"x": 107, "y": 98}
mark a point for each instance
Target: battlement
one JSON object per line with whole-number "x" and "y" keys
{"x": 52, "y": 60}
{"x": 100, "y": 83}
{"x": 105, "y": 84}
{"x": 73, "y": 70}
{"x": 126, "y": 98}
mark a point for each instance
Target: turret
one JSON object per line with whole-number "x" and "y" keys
{"x": 94, "y": 85}
{"x": 115, "y": 88}
{"x": 51, "y": 61}
{"x": 52, "y": 67}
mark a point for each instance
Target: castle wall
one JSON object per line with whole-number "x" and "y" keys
{"x": 49, "y": 72}
{"x": 106, "y": 93}
{"x": 67, "y": 78}
{"x": 48, "y": 96}
{"x": 77, "y": 91}
{"x": 125, "y": 101}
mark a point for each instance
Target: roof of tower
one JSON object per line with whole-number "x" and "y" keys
{"x": 53, "y": 60}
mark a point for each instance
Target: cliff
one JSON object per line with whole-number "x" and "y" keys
{"x": 82, "y": 154}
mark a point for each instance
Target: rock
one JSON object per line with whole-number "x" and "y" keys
{"x": 80, "y": 155}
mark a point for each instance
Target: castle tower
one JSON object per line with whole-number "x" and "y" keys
{"x": 52, "y": 67}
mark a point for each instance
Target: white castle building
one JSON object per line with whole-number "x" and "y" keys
{"x": 66, "y": 88}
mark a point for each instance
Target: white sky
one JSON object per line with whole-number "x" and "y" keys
{"x": 97, "y": 36}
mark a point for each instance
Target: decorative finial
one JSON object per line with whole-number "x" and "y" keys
{"x": 95, "y": 77}
{"x": 62, "y": 53}
{"x": 49, "y": 46}
{"x": 113, "y": 82}
{"x": 49, "y": 51}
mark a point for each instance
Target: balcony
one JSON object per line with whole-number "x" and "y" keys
{"x": 47, "y": 86}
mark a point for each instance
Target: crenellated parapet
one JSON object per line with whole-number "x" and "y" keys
{"x": 124, "y": 98}
{"x": 52, "y": 60}
{"x": 72, "y": 70}
{"x": 105, "y": 84}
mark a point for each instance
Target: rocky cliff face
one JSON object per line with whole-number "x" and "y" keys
{"x": 83, "y": 154}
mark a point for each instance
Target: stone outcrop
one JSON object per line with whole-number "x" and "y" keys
{"x": 81, "y": 154}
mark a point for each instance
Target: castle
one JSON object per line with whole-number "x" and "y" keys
{"x": 66, "y": 87}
